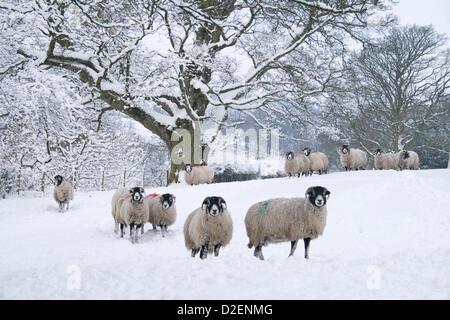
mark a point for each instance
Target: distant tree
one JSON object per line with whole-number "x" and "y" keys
{"x": 396, "y": 94}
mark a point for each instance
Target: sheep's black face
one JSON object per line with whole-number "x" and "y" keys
{"x": 290, "y": 155}
{"x": 318, "y": 196}
{"x": 188, "y": 168}
{"x": 345, "y": 149}
{"x": 58, "y": 180}
{"x": 167, "y": 200}
{"x": 378, "y": 152}
{"x": 405, "y": 155}
{"x": 214, "y": 205}
{"x": 137, "y": 194}
{"x": 307, "y": 151}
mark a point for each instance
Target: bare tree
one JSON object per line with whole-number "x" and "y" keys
{"x": 168, "y": 64}
{"x": 396, "y": 92}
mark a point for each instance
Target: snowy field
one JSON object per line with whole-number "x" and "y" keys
{"x": 387, "y": 237}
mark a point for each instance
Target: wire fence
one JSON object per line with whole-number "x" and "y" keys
{"x": 28, "y": 180}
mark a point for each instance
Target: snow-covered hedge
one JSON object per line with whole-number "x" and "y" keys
{"x": 251, "y": 170}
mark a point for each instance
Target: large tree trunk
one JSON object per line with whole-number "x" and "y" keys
{"x": 195, "y": 153}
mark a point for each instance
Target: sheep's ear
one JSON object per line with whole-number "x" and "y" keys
{"x": 142, "y": 190}
{"x": 309, "y": 192}
{"x": 205, "y": 203}
{"x": 130, "y": 191}
{"x": 223, "y": 203}
{"x": 327, "y": 194}
{"x": 174, "y": 199}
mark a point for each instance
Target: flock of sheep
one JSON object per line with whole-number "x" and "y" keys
{"x": 210, "y": 227}
{"x": 351, "y": 159}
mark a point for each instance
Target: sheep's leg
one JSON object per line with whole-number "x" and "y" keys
{"x": 293, "y": 247}
{"x": 216, "y": 249}
{"x": 136, "y": 232}
{"x": 132, "y": 232}
{"x": 154, "y": 226}
{"x": 67, "y": 206}
{"x": 258, "y": 251}
{"x": 162, "y": 230}
{"x": 320, "y": 172}
{"x": 194, "y": 252}
{"x": 142, "y": 229}
{"x": 204, "y": 251}
{"x": 307, "y": 241}
{"x": 116, "y": 227}
{"x": 121, "y": 230}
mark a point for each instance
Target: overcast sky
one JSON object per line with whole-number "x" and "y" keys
{"x": 425, "y": 12}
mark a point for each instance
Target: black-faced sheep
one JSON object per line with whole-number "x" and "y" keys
{"x": 62, "y": 193}
{"x": 352, "y": 158}
{"x": 385, "y": 161}
{"x": 291, "y": 165}
{"x": 198, "y": 174}
{"x": 287, "y": 219}
{"x": 208, "y": 228}
{"x": 129, "y": 208}
{"x": 162, "y": 211}
{"x": 408, "y": 159}
{"x": 317, "y": 161}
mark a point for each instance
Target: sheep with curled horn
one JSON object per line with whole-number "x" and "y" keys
{"x": 287, "y": 219}
{"x": 208, "y": 228}
{"x": 352, "y": 158}
{"x": 129, "y": 208}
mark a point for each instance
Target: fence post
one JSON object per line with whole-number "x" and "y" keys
{"x": 74, "y": 178}
{"x": 124, "y": 176}
{"x": 19, "y": 172}
{"x": 102, "y": 181}
{"x": 43, "y": 182}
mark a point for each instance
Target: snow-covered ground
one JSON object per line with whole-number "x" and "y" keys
{"x": 387, "y": 237}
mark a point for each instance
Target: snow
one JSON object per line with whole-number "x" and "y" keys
{"x": 386, "y": 238}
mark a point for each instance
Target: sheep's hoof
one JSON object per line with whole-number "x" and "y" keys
{"x": 261, "y": 257}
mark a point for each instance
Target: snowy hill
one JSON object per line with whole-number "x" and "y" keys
{"x": 387, "y": 236}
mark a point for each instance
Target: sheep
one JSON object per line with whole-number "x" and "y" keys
{"x": 292, "y": 164}
{"x": 352, "y": 158}
{"x": 385, "y": 161}
{"x": 208, "y": 228}
{"x": 162, "y": 211}
{"x": 129, "y": 208}
{"x": 62, "y": 193}
{"x": 408, "y": 159}
{"x": 287, "y": 219}
{"x": 305, "y": 164}
{"x": 317, "y": 160}
{"x": 198, "y": 174}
